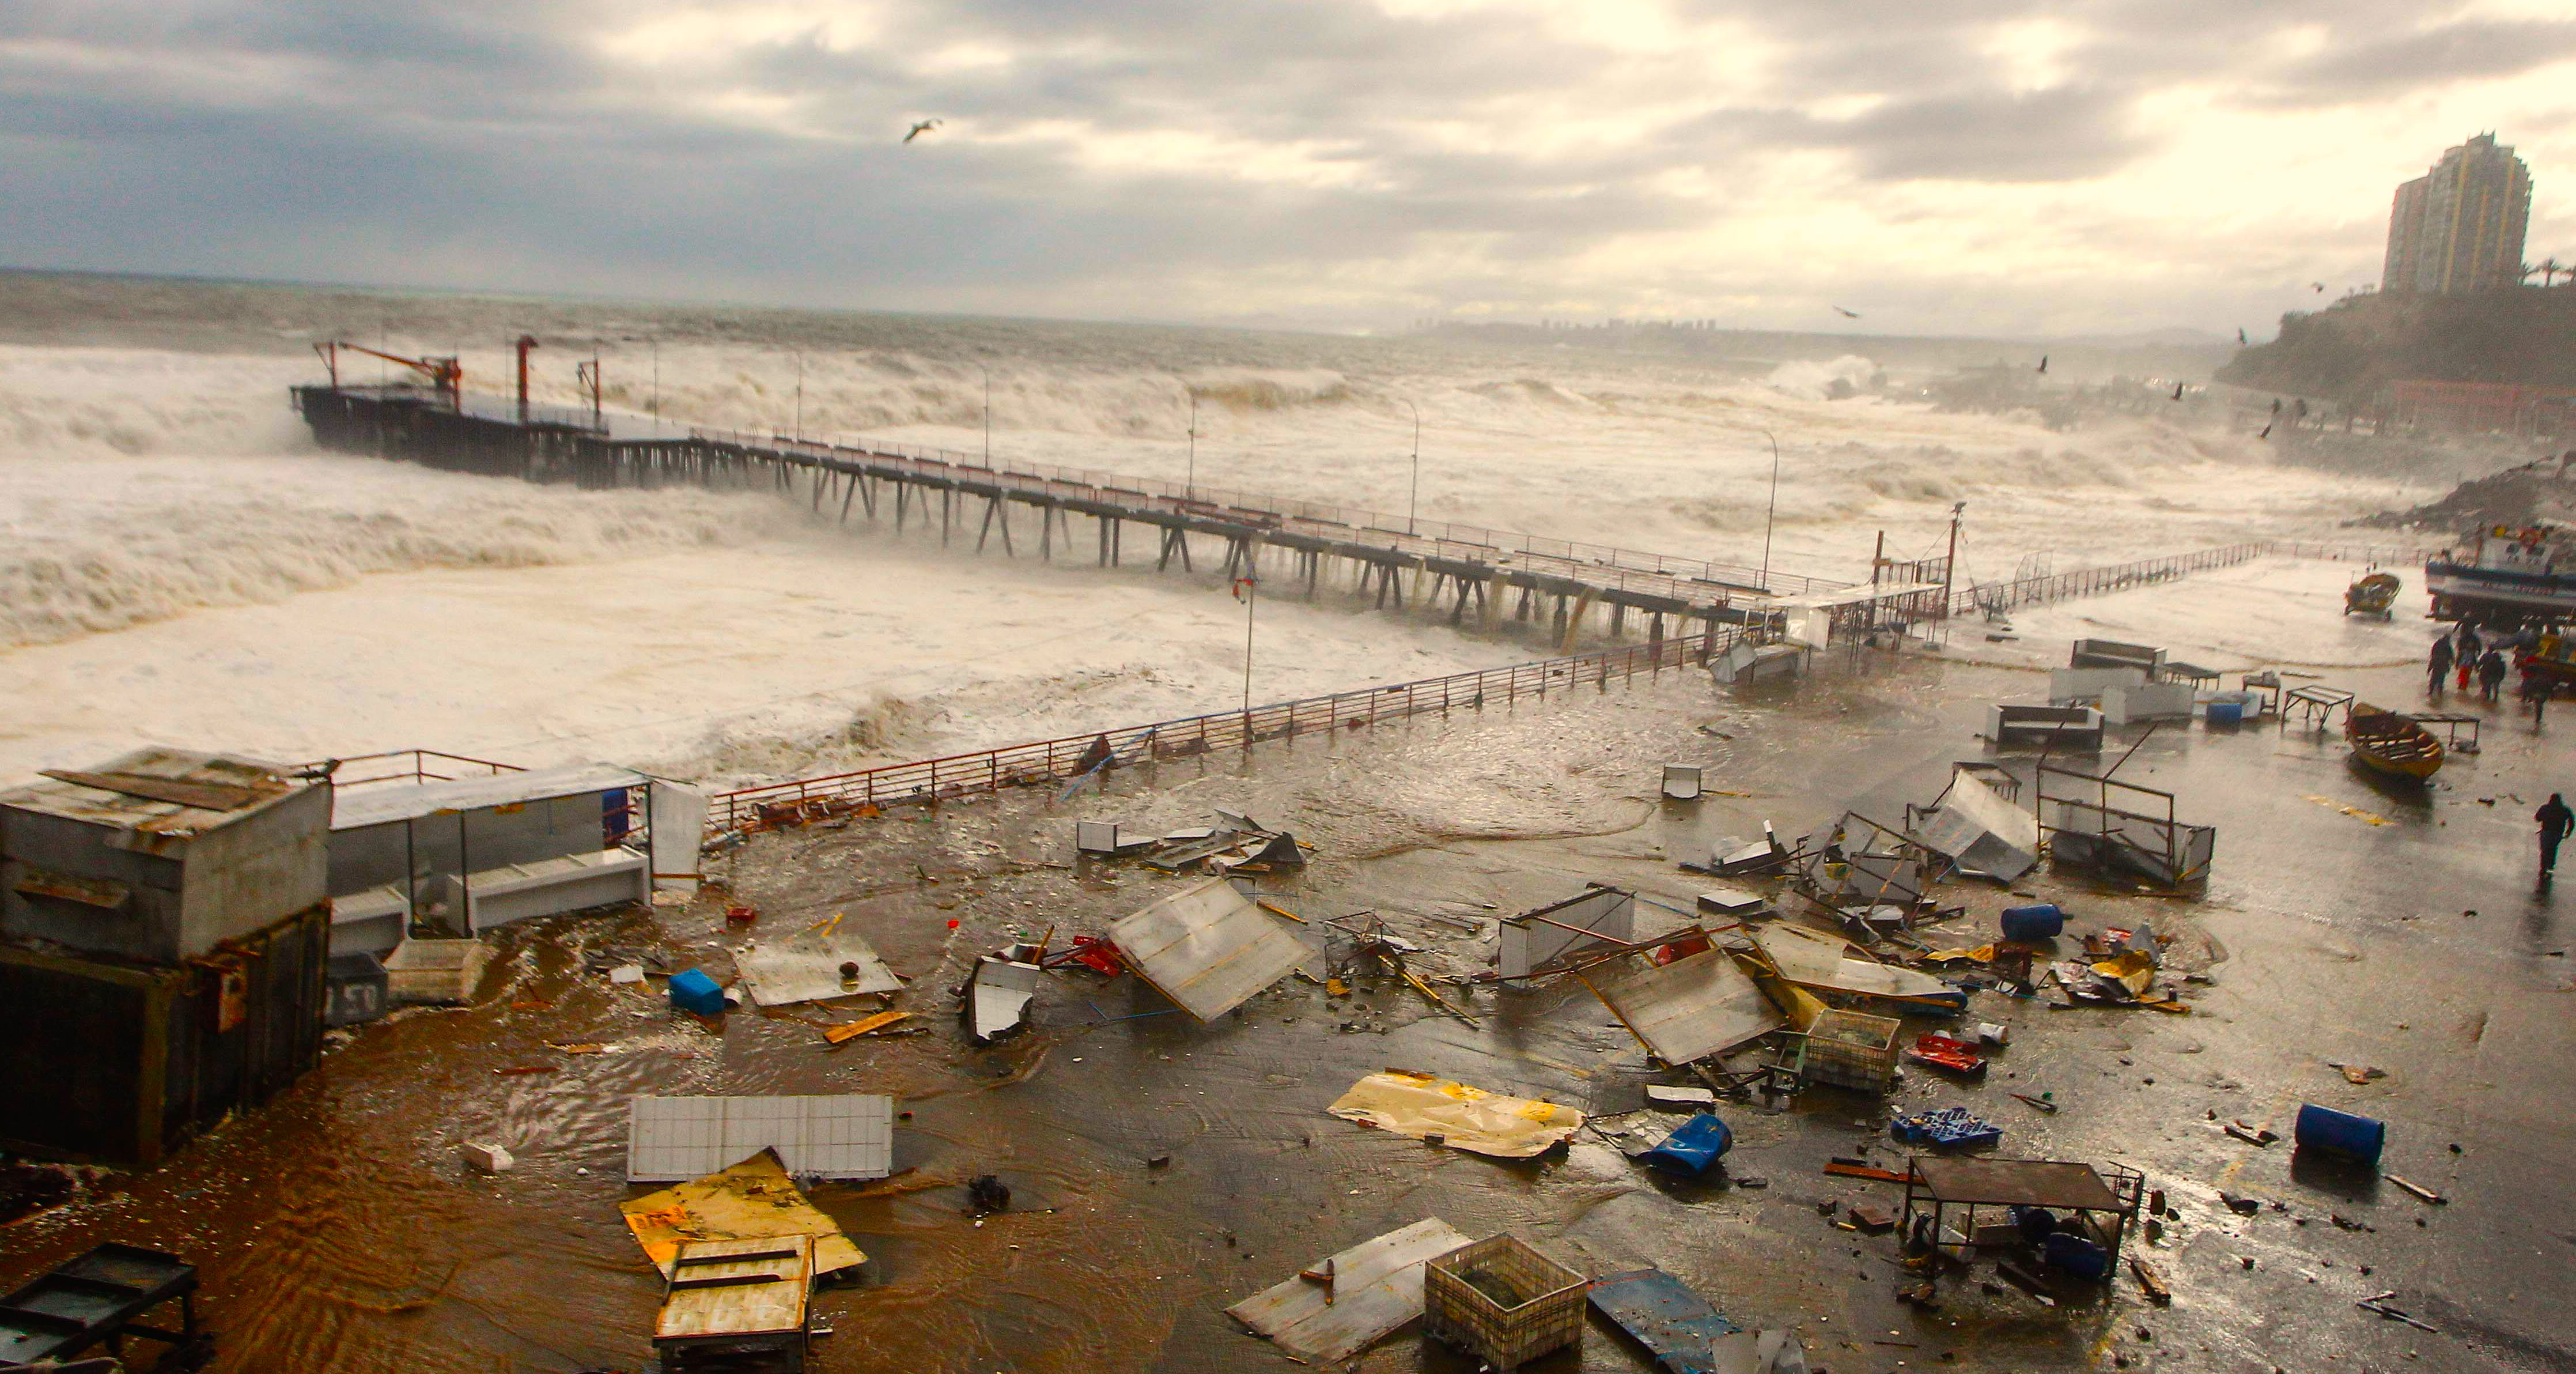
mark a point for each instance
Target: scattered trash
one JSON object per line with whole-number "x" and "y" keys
{"x": 1992, "y": 1033}
{"x": 1502, "y": 1301}
{"x": 1681, "y": 782}
{"x": 755, "y": 1199}
{"x": 2044, "y": 1102}
{"x": 1943, "y": 1052}
{"x": 1828, "y": 963}
{"x": 2358, "y": 1075}
{"x": 1700, "y": 1098}
{"x": 694, "y": 992}
{"x": 1732, "y": 902}
{"x": 1851, "y": 1050}
{"x": 1342, "y": 1304}
{"x": 834, "y": 1136}
{"x": 2257, "y": 1136}
{"x": 1981, "y": 832}
{"x": 1601, "y": 917}
{"x": 2418, "y": 1190}
{"x": 626, "y": 975}
{"x": 1420, "y": 1106}
{"x": 1684, "y": 1333}
{"x": 987, "y": 1194}
{"x": 1693, "y": 1146}
{"x": 1947, "y": 1127}
{"x": 2328, "y": 1131}
{"x": 2241, "y": 1206}
{"x": 1846, "y": 1169}
{"x": 2150, "y": 1282}
{"x": 2379, "y": 1304}
{"x": 1871, "y": 1218}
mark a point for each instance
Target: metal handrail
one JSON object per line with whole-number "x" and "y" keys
{"x": 1071, "y": 756}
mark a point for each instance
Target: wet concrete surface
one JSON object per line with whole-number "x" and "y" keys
{"x": 337, "y": 1229}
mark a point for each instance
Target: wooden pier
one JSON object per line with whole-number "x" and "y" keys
{"x": 1428, "y": 566}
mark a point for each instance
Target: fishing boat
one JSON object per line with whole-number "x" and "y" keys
{"x": 2392, "y": 743}
{"x": 2501, "y": 575}
{"x": 2375, "y": 594}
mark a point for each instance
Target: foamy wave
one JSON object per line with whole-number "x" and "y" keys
{"x": 1815, "y": 381}
{"x": 90, "y": 547}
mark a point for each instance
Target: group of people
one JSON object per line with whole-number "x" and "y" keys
{"x": 2471, "y": 656}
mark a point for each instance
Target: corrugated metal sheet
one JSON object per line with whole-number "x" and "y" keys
{"x": 208, "y": 779}
{"x": 1209, "y": 948}
{"x": 1687, "y": 1009}
{"x": 674, "y": 1139}
{"x": 355, "y": 808}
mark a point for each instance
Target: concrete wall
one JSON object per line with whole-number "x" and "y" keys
{"x": 146, "y": 927}
{"x": 249, "y": 874}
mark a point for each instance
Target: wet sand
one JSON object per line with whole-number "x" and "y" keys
{"x": 337, "y": 1229}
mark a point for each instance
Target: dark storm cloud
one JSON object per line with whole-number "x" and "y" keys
{"x": 511, "y": 143}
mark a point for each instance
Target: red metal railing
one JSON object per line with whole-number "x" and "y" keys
{"x": 410, "y": 765}
{"x": 1061, "y": 760}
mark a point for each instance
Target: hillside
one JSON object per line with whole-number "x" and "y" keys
{"x": 2348, "y": 351}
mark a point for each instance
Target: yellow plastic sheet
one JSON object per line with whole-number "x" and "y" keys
{"x": 1419, "y": 1105}
{"x": 752, "y": 1200}
{"x": 2132, "y": 970}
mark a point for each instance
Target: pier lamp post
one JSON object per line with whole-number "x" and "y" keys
{"x": 1190, "y": 483}
{"x": 800, "y": 396}
{"x": 1414, "y": 503}
{"x": 988, "y": 413}
{"x": 1248, "y": 590}
{"x": 1773, "y": 514}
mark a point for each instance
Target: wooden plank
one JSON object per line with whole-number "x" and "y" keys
{"x": 1373, "y": 1288}
{"x": 738, "y": 1288}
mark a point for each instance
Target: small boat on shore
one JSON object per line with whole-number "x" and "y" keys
{"x": 2392, "y": 743}
{"x": 2375, "y": 594}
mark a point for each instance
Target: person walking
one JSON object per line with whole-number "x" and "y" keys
{"x": 2555, "y": 821}
{"x": 2536, "y": 688}
{"x": 2491, "y": 671}
{"x": 2440, "y": 663}
{"x": 2470, "y": 647}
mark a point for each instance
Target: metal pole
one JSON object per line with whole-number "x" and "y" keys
{"x": 657, "y": 387}
{"x": 1950, "y": 565}
{"x": 1774, "y": 512}
{"x": 988, "y": 413}
{"x": 800, "y": 397}
{"x": 1251, "y": 602}
{"x": 1415, "y": 503}
{"x": 1189, "y": 484}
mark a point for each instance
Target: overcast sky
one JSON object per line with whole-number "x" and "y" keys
{"x": 1941, "y": 166}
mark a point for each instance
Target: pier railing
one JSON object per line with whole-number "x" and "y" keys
{"x": 1465, "y": 541}
{"x": 1061, "y": 761}
{"x": 1993, "y": 597}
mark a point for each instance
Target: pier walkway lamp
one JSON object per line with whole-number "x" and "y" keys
{"x": 1773, "y": 514}
{"x": 1414, "y": 504}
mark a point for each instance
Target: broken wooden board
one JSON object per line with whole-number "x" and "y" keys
{"x": 754, "y": 1199}
{"x": 1420, "y": 1105}
{"x": 806, "y": 967}
{"x": 852, "y": 1030}
{"x": 1685, "y": 1010}
{"x": 738, "y": 1288}
{"x": 1367, "y": 1291}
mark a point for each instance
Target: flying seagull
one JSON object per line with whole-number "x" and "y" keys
{"x": 2043, "y": 362}
{"x": 1847, "y": 314}
{"x": 2266, "y": 434}
{"x": 2320, "y": 286}
{"x": 2177, "y": 391}
{"x": 926, "y": 126}
{"x": 2240, "y": 336}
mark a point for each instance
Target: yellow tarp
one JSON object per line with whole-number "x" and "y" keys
{"x": 2131, "y": 969}
{"x": 752, "y": 1200}
{"x": 1418, "y": 1105}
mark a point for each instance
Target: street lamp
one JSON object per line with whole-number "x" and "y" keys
{"x": 988, "y": 413}
{"x": 1415, "y": 502}
{"x": 800, "y": 395}
{"x": 1190, "y": 483}
{"x": 1773, "y": 513}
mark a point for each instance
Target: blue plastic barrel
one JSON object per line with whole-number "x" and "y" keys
{"x": 1693, "y": 1146}
{"x": 695, "y": 991}
{"x": 2031, "y": 924}
{"x": 2339, "y": 1133}
{"x": 2076, "y": 1255}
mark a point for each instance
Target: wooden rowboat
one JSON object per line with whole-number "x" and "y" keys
{"x": 2372, "y": 595}
{"x": 2392, "y": 743}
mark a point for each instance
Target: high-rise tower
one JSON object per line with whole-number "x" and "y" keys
{"x": 2460, "y": 227}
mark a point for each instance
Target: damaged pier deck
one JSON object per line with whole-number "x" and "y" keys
{"x": 1427, "y": 564}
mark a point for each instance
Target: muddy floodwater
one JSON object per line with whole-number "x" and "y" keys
{"x": 2347, "y": 924}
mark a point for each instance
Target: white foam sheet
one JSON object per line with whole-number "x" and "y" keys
{"x": 1376, "y": 1287}
{"x": 842, "y": 1136}
{"x": 806, "y": 967}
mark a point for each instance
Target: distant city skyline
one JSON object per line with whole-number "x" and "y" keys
{"x": 2461, "y": 226}
{"x": 1984, "y": 167}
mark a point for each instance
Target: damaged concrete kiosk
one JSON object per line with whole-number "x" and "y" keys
{"x": 163, "y": 932}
